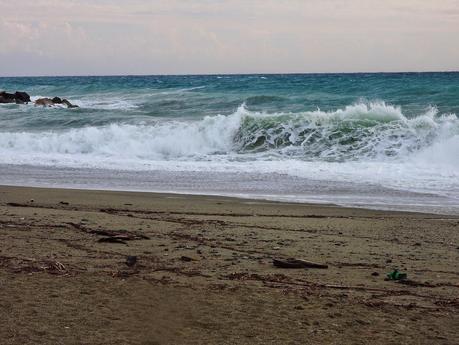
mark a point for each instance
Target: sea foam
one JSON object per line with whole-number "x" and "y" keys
{"x": 361, "y": 132}
{"x": 360, "y": 145}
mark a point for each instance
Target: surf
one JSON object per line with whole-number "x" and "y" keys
{"x": 358, "y": 132}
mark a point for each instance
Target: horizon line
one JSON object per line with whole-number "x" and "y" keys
{"x": 219, "y": 74}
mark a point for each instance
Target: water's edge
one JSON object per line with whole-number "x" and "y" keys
{"x": 283, "y": 188}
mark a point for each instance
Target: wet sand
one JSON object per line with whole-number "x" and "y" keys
{"x": 204, "y": 271}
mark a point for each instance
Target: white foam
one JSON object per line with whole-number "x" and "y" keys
{"x": 425, "y": 149}
{"x": 105, "y": 104}
{"x": 163, "y": 140}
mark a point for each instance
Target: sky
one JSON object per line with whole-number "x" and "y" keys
{"x": 116, "y": 37}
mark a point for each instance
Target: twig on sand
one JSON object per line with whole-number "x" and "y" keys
{"x": 297, "y": 263}
{"x": 110, "y": 235}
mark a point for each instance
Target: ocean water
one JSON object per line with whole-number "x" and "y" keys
{"x": 388, "y": 141}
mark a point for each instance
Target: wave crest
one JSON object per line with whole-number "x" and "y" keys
{"x": 361, "y": 131}
{"x": 374, "y": 131}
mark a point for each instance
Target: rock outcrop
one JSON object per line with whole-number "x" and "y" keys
{"x": 48, "y": 102}
{"x": 22, "y": 97}
{"x": 6, "y": 97}
{"x": 18, "y": 97}
{"x": 45, "y": 102}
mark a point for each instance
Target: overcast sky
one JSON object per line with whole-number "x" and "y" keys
{"x": 82, "y": 37}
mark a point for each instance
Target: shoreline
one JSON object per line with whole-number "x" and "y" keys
{"x": 385, "y": 199}
{"x": 236, "y": 196}
{"x": 204, "y": 271}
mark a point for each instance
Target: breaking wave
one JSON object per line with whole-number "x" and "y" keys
{"x": 359, "y": 132}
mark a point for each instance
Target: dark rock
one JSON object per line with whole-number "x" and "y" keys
{"x": 131, "y": 260}
{"x": 186, "y": 258}
{"x": 68, "y": 104}
{"x": 18, "y": 97}
{"x": 6, "y": 97}
{"x": 375, "y": 274}
{"x": 21, "y": 97}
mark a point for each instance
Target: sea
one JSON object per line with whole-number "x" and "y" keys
{"x": 374, "y": 140}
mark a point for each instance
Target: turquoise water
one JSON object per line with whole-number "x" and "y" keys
{"x": 120, "y": 99}
{"x": 396, "y": 135}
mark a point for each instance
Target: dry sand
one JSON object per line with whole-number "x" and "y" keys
{"x": 204, "y": 273}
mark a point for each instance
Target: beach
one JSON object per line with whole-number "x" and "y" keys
{"x": 229, "y": 173}
{"x": 204, "y": 271}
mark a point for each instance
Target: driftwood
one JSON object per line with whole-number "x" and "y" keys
{"x": 113, "y": 236}
{"x": 16, "y": 204}
{"x": 296, "y": 263}
{"x": 410, "y": 282}
{"x": 121, "y": 235}
{"x": 30, "y": 265}
{"x": 187, "y": 258}
{"x": 54, "y": 267}
{"x": 111, "y": 240}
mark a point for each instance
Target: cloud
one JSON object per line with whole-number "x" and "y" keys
{"x": 228, "y": 36}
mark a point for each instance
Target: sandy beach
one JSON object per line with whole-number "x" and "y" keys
{"x": 229, "y": 172}
{"x": 204, "y": 272}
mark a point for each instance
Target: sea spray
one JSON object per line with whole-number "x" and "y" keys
{"x": 374, "y": 131}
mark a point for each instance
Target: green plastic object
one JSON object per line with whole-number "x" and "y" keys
{"x": 396, "y": 275}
